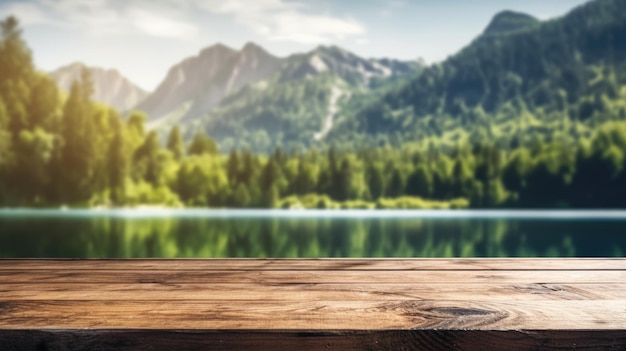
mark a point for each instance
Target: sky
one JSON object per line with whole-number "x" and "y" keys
{"x": 144, "y": 38}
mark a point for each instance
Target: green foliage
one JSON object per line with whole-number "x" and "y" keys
{"x": 312, "y": 201}
{"x": 241, "y": 197}
{"x": 306, "y": 178}
{"x": 202, "y": 181}
{"x": 35, "y": 151}
{"x": 516, "y": 170}
{"x": 43, "y": 109}
{"x": 420, "y": 183}
{"x": 271, "y": 198}
{"x": 78, "y": 132}
{"x": 271, "y": 175}
{"x": 375, "y": 182}
{"x": 408, "y": 202}
{"x": 143, "y": 193}
{"x": 147, "y": 161}
{"x": 118, "y": 164}
{"x": 396, "y": 185}
{"x": 271, "y": 114}
{"x": 5, "y": 142}
{"x": 175, "y": 144}
{"x": 135, "y": 129}
{"x": 202, "y": 144}
{"x": 347, "y": 184}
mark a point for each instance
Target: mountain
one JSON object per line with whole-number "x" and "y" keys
{"x": 344, "y": 64}
{"x": 297, "y": 106}
{"x": 507, "y": 22}
{"x": 520, "y": 77}
{"x": 195, "y": 85}
{"x": 110, "y": 87}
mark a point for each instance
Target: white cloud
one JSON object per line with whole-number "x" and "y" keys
{"x": 282, "y": 21}
{"x": 160, "y": 26}
{"x": 106, "y": 17}
{"x": 296, "y": 27}
{"x": 248, "y": 6}
{"x": 275, "y": 20}
{"x": 27, "y": 13}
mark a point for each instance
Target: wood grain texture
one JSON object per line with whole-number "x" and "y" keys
{"x": 317, "y": 264}
{"x": 400, "y": 340}
{"x": 103, "y": 276}
{"x": 312, "y": 292}
{"x": 314, "y": 315}
{"x": 337, "y": 304}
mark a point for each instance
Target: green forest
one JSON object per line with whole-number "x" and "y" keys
{"x": 525, "y": 145}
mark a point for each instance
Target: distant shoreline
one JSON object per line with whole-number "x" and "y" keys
{"x": 619, "y": 214}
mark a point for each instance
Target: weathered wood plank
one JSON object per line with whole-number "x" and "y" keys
{"x": 104, "y": 276}
{"x": 341, "y": 304}
{"x": 313, "y": 292}
{"x": 373, "y": 264}
{"x": 314, "y": 315}
{"x": 407, "y": 340}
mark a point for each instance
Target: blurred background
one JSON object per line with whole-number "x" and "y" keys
{"x": 375, "y": 104}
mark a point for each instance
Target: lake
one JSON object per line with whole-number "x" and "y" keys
{"x": 309, "y": 233}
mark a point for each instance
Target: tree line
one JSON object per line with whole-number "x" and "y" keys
{"x": 64, "y": 149}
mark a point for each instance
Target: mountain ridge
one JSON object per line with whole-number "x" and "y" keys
{"x": 226, "y": 80}
{"x": 110, "y": 86}
{"x": 299, "y": 103}
{"x": 347, "y": 65}
{"x": 201, "y": 81}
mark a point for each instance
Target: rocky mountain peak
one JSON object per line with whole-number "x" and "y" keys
{"x": 110, "y": 87}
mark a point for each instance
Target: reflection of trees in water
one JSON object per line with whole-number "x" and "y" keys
{"x": 310, "y": 237}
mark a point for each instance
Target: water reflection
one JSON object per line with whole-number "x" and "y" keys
{"x": 110, "y": 236}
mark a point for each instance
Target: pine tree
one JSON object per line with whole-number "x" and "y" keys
{"x": 175, "y": 144}
{"x": 396, "y": 184}
{"x": 117, "y": 164}
{"x": 233, "y": 169}
{"x": 270, "y": 175}
{"x": 375, "y": 182}
{"x": 78, "y": 154}
{"x": 43, "y": 104}
{"x": 241, "y": 196}
{"x": 461, "y": 179}
{"x": 515, "y": 172}
{"x": 147, "y": 163}
{"x": 270, "y": 197}
{"x": 420, "y": 183}
{"x": 248, "y": 167}
{"x": 5, "y": 140}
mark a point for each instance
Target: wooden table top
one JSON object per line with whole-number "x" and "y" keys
{"x": 345, "y": 304}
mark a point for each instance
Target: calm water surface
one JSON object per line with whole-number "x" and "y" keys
{"x": 263, "y": 233}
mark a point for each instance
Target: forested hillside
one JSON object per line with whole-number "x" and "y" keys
{"x": 520, "y": 80}
{"x": 530, "y": 116}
